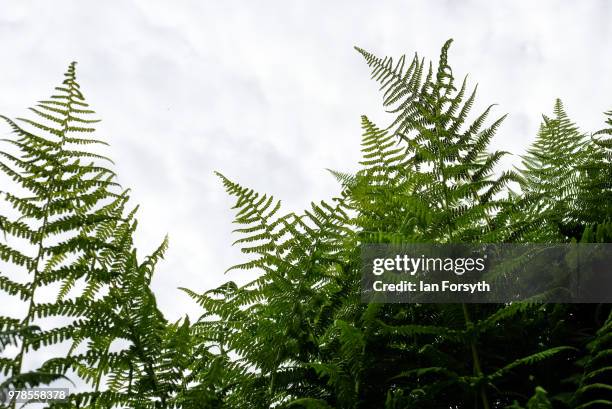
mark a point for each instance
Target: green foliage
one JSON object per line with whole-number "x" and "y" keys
{"x": 553, "y": 171}
{"x": 275, "y": 323}
{"x": 594, "y": 389}
{"x": 442, "y": 153}
{"x": 538, "y": 401}
{"x": 297, "y": 334}
{"x": 66, "y": 231}
{"x": 595, "y": 196}
{"x": 57, "y": 229}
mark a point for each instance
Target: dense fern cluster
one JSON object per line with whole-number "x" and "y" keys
{"x": 298, "y": 334}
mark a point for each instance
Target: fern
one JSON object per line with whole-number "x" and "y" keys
{"x": 54, "y": 231}
{"x": 299, "y": 262}
{"x": 297, "y": 334}
{"x": 594, "y": 389}
{"x": 551, "y": 174}
{"x": 66, "y": 227}
{"x": 453, "y": 174}
{"x": 594, "y": 202}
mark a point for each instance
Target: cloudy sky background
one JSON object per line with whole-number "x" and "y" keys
{"x": 271, "y": 93}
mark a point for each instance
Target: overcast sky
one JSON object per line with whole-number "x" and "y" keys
{"x": 271, "y": 93}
